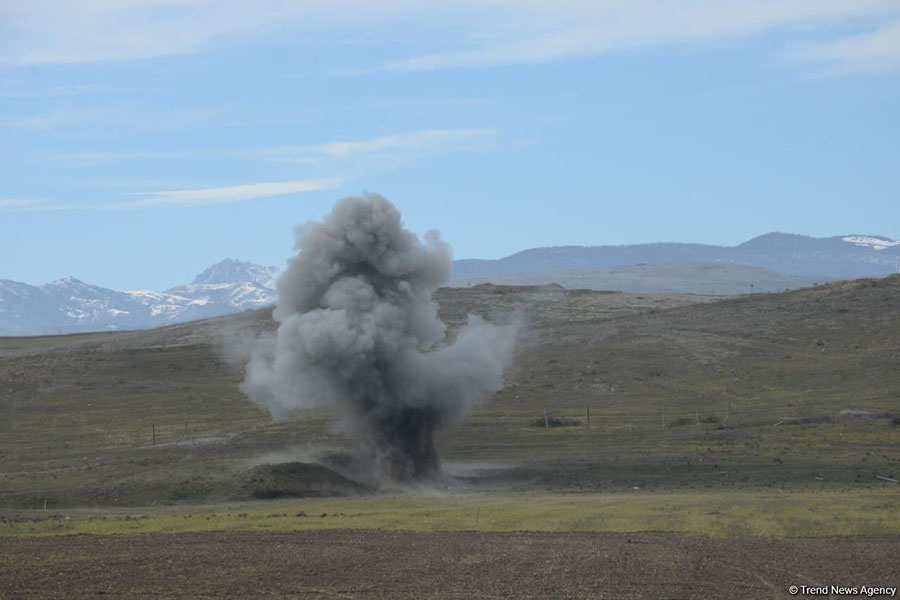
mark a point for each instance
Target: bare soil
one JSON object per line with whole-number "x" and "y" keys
{"x": 378, "y": 564}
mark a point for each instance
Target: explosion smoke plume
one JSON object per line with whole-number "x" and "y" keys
{"x": 358, "y": 329}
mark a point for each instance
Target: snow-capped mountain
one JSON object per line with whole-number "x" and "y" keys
{"x": 69, "y": 305}
{"x": 234, "y": 283}
{"x": 236, "y": 271}
{"x": 871, "y": 241}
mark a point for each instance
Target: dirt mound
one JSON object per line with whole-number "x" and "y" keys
{"x": 297, "y": 479}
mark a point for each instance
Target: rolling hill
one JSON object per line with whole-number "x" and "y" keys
{"x": 795, "y": 389}
{"x": 839, "y": 257}
{"x": 718, "y": 279}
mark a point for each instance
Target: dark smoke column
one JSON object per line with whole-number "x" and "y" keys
{"x": 357, "y": 332}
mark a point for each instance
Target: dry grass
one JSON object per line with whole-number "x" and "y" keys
{"x": 684, "y": 393}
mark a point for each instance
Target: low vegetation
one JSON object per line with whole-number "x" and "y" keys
{"x": 766, "y": 394}
{"x": 719, "y": 514}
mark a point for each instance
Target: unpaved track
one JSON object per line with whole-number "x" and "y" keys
{"x": 379, "y": 564}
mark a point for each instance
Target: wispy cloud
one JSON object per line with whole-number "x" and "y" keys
{"x": 875, "y": 50}
{"x": 106, "y": 120}
{"x": 59, "y": 31}
{"x": 18, "y": 203}
{"x": 337, "y": 161}
{"x": 180, "y": 198}
{"x": 462, "y": 33}
{"x": 429, "y": 140}
{"x": 386, "y": 147}
{"x": 384, "y": 151}
{"x": 228, "y": 194}
{"x": 549, "y": 31}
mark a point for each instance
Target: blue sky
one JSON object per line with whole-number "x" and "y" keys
{"x": 143, "y": 140}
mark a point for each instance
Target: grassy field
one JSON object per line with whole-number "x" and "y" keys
{"x": 770, "y": 392}
{"x": 643, "y": 447}
{"x": 717, "y": 514}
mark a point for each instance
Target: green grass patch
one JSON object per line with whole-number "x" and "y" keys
{"x": 719, "y": 514}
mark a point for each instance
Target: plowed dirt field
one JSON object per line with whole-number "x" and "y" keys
{"x": 380, "y": 564}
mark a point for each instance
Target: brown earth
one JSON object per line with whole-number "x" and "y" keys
{"x": 379, "y": 564}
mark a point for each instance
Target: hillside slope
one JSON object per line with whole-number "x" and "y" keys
{"x": 798, "y": 389}
{"x": 719, "y": 279}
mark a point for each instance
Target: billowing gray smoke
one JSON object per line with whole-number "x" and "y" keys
{"x": 358, "y": 331}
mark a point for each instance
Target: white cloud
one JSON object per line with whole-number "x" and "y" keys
{"x": 60, "y": 31}
{"x": 461, "y": 33}
{"x": 18, "y": 203}
{"x": 350, "y": 159}
{"x": 875, "y": 50}
{"x": 415, "y": 141}
{"x": 225, "y": 195}
{"x": 386, "y": 147}
{"x": 183, "y": 198}
{"x": 549, "y": 31}
{"x": 106, "y": 120}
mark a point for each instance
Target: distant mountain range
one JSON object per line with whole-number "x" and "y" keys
{"x": 69, "y": 305}
{"x": 771, "y": 262}
{"x": 840, "y": 257}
